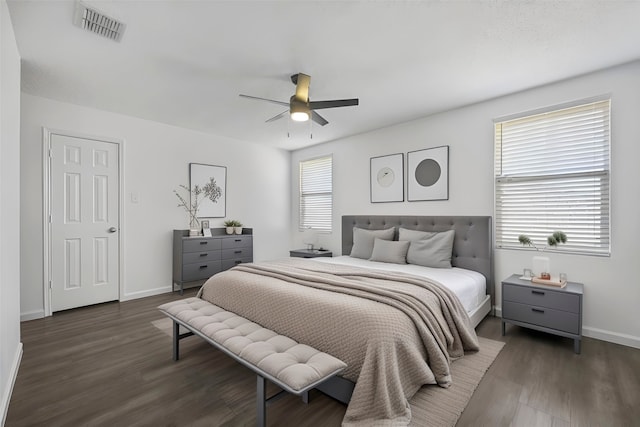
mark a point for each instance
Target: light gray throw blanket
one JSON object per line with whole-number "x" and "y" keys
{"x": 396, "y": 332}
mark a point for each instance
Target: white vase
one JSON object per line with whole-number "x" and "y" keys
{"x": 238, "y": 230}
{"x": 229, "y": 230}
{"x": 540, "y": 264}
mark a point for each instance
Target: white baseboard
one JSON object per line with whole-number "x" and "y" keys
{"x": 8, "y": 390}
{"x": 146, "y": 293}
{"x": 31, "y": 315}
{"x": 600, "y": 334}
{"x": 614, "y": 337}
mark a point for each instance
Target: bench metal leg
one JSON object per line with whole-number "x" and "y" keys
{"x": 176, "y": 341}
{"x": 261, "y": 399}
{"x": 305, "y": 397}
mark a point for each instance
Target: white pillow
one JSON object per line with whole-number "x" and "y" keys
{"x": 389, "y": 251}
{"x": 363, "y": 241}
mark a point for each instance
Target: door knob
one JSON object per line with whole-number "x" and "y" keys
{"x": 112, "y": 230}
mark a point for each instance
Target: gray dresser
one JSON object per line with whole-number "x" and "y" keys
{"x": 198, "y": 258}
{"x": 544, "y": 308}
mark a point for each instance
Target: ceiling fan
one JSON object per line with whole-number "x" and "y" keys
{"x": 300, "y": 108}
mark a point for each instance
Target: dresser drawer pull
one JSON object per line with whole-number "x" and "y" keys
{"x": 238, "y": 261}
{"x": 204, "y": 242}
{"x": 202, "y": 267}
{"x": 537, "y": 292}
{"x": 537, "y": 310}
{"x": 238, "y": 240}
{"x": 204, "y": 254}
{"x": 237, "y": 252}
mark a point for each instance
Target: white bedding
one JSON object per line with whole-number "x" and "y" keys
{"x": 469, "y": 286}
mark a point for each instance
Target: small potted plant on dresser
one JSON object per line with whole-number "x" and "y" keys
{"x": 229, "y": 226}
{"x": 232, "y": 226}
{"x": 237, "y": 227}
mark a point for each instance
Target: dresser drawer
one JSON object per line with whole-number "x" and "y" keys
{"x": 195, "y": 244}
{"x": 245, "y": 252}
{"x": 228, "y": 263}
{"x": 191, "y": 257}
{"x": 200, "y": 270}
{"x": 239, "y": 241}
{"x": 540, "y": 316}
{"x": 538, "y": 297}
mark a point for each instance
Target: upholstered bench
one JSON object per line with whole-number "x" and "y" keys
{"x": 295, "y": 368}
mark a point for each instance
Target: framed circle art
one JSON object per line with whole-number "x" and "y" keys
{"x": 428, "y": 174}
{"x": 387, "y": 178}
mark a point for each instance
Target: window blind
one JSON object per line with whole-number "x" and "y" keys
{"x": 552, "y": 173}
{"x": 316, "y": 194}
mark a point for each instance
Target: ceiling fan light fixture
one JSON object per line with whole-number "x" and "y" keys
{"x": 300, "y": 116}
{"x": 299, "y": 113}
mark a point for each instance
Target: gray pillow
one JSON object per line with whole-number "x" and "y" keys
{"x": 363, "y": 241}
{"x": 434, "y": 249}
{"x": 411, "y": 235}
{"x": 389, "y": 251}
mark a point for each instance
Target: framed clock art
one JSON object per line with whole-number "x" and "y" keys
{"x": 387, "y": 178}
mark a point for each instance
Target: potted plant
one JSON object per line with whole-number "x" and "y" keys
{"x": 238, "y": 227}
{"x": 541, "y": 265}
{"x": 229, "y": 225}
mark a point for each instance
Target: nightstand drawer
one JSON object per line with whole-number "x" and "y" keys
{"x": 194, "y": 244}
{"x": 200, "y": 270}
{"x": 541, "y": 316}
{"x": 541, "y": 297}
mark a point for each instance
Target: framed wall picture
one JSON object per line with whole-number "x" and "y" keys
{"x": 387, "y": 178}
{"x": 428, "y": 174}
{"x": 212, "y": 181}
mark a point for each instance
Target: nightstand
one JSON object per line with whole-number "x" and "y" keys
{"x": 310, "y": 253}
{"x": 544, "y": 308}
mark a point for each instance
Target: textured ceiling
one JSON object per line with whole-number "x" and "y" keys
{"x": 185, "y": 62}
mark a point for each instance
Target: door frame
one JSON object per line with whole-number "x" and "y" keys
{"x": 46, "y": 208}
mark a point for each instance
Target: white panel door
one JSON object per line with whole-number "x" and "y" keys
{"x": 84, "y": 222}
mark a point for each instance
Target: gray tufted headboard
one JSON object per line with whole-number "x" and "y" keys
{"x": 472, "y": 245}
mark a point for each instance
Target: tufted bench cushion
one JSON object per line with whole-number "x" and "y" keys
{"x": 294, "y": 367}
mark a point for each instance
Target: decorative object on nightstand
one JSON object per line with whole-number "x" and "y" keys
{"x": 541, "y": 265}
{"x": 310, "y": 253}
{"x": 543, "y": 308}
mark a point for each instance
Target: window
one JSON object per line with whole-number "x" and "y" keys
{"x": 552, "y": 173}
{"x": 316, "y": 198}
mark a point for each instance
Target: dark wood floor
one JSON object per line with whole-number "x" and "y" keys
{"x": 107, "y": 365}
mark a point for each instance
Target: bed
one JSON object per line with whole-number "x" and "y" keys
{"x": 395, "y": 330}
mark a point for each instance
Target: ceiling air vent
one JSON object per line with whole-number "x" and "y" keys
{"x": 97, "y": 22}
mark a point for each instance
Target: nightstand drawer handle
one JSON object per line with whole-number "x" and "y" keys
{"x": 537, "y": 310}
{"x": 537, "y": 292}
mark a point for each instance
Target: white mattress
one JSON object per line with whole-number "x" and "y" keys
{"x": 470, "y": 286}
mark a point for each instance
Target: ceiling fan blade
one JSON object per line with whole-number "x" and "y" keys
{"x": 284, "y": 104}
{"x": 318, "y": 118}
{"x": 302, "y": 88}
{"x": 279, "y": 116}
{"x": 318, "y": 105}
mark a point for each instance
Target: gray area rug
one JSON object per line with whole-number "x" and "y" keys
{"x": 433, "y": 405}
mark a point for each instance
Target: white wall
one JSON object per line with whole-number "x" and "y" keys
{"x": 156, "y": 161}
{"x": 10, "y": 346}
{"x": 612, "y": 291}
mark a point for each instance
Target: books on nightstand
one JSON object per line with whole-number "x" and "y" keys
{"x": 557, "y": 283}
